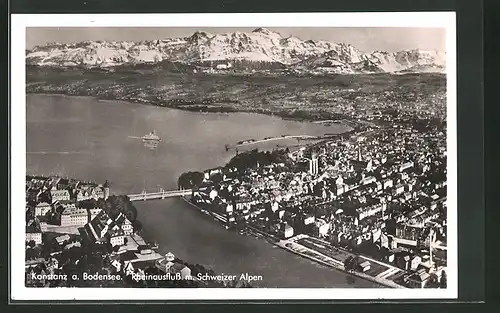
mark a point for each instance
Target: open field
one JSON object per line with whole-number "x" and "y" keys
{"x": 327, "y": 254}
{"x": 338, "y": 254}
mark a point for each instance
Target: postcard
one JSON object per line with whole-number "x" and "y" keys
{"x": 234, "y": 156}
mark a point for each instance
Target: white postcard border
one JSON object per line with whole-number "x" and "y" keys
{"x": 19, "y": 22}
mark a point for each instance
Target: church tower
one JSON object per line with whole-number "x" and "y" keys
{"x": 360, "y": 157}
{"x": 314, "y": 164}
{"x": 106, "y": 190}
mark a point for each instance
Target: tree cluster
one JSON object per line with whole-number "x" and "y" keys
{"x": 351, "y": 263}
{"x": 254, "y": 158}
{"x": 190, "y": 180}
{"x": 32, "y": 252}
{"x": 115, "y": 205}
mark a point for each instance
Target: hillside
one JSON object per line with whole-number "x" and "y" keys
{"x": 306, "y": 96}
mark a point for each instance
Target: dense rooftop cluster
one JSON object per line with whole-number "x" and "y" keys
{"x": 385, "y": 188}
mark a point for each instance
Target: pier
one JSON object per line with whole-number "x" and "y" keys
{"x": 253, "y": 141}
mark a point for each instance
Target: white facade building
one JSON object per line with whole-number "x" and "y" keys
{"x": 42, "y": 208}
{"x": 73, "y": 216}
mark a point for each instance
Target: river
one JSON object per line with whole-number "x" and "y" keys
{"x": 90, "y": 139}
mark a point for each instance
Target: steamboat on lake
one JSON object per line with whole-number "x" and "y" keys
{"x": 152, "y": 137}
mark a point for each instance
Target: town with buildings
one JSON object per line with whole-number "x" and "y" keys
{"x": 363, "y": 197}
{"x": 77, "y": 235}
{"x": 372, "y": 203}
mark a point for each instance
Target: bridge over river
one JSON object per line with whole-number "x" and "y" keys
{"x": 162, "y": 194}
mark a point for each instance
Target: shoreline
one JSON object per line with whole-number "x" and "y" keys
{"x": 219, "y": 218}
{"x": 216, "y": 217}
{"x": 336, "y": 265}
{"x": 347, "y": 128}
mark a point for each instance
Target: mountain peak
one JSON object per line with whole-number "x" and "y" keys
{"x": 265, "y": 31}
{"x": 200, "y": 33}
{"x": 199, "y": 36}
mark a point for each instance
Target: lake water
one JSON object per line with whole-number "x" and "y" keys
{"x": 89, "y": 139}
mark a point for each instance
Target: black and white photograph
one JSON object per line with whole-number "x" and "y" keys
{"x": 299, "y": 156}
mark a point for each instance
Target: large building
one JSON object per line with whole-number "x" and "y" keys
{"x": 314, "y": 164}
{"x": 98, "y": 227}
{"x": 124, "y": 223}
{"x": 321, "y": 228}
{"x": 413, "y": 236}
{"x": 115, "y": 236}
{"x": 59, "y": 195}
{"x": 33, "y": 232}
{"x": 405, "y": 166}
{"x": 169, "y": 265}
{"x": 91, "y": 193}
{"x": 417, "y": 279}
{"x": 73, "y": 216}
{"x": 102, "y": 228}
{"x": 364, "y": 212}
{"x": 94, "y": 212}
{"x": 42, "y": 208}
{"x": 286, "y": 231}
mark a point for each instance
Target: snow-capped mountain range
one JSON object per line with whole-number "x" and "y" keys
{"x": 222, "y": 51}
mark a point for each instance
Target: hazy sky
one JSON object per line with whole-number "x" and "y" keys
{"x": 366, "y": 39}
